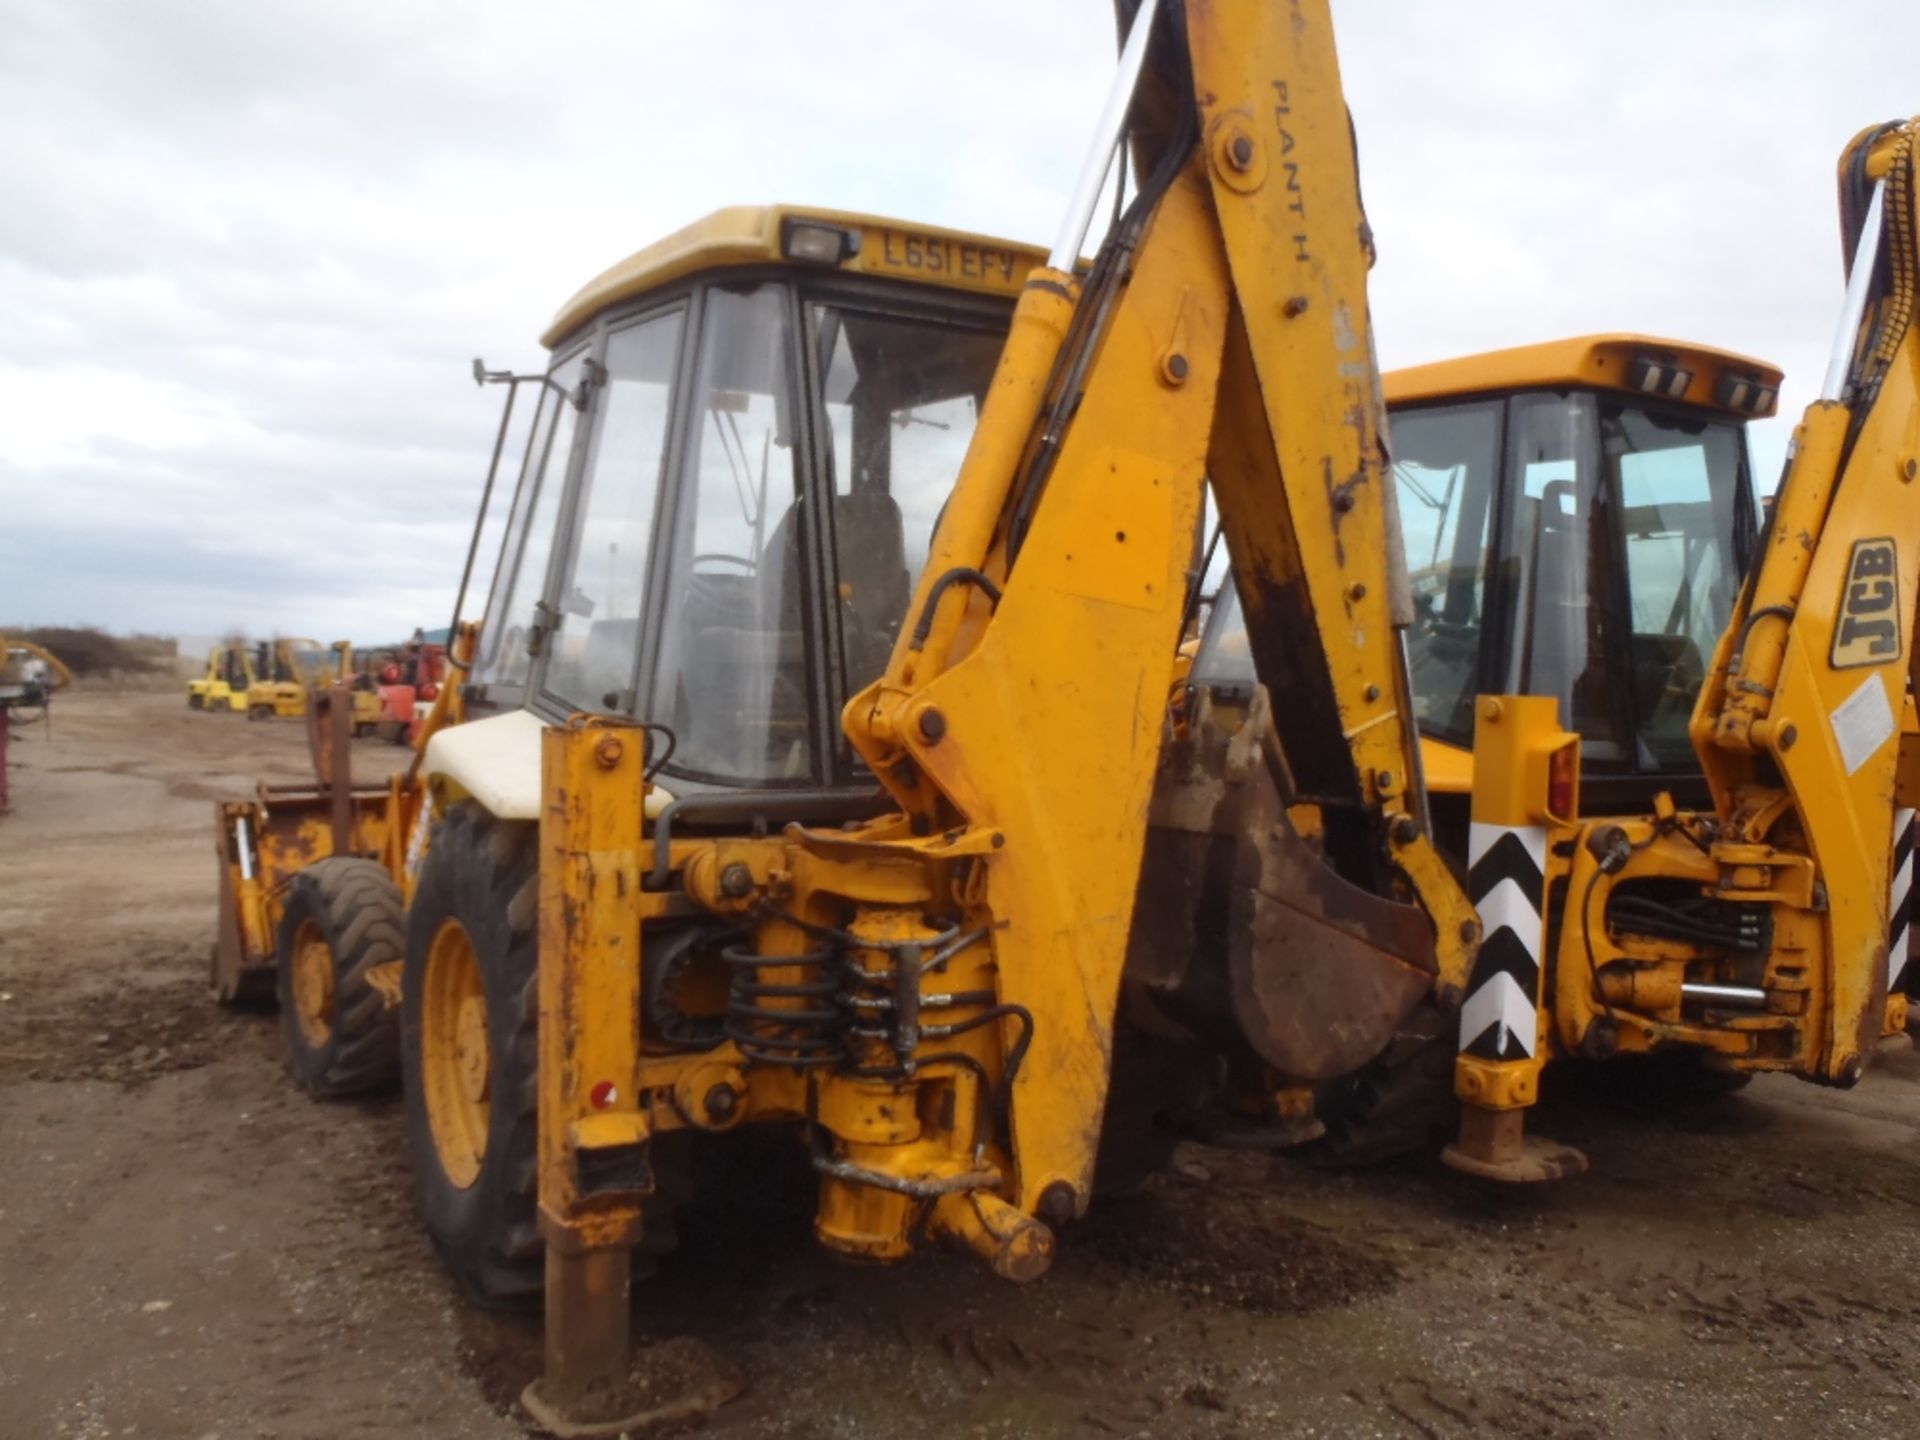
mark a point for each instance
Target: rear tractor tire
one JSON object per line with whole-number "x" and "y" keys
{"x": 343, "y": 919}
{"x": 470, "y": 1047}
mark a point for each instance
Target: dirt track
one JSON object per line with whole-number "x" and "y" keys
{"x": 187, "y": 1248}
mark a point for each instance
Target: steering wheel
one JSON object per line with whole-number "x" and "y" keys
{"x": 752, "y": 567}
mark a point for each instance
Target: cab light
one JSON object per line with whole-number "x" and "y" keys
{"x": 1745, "y": 393}
{"x": 1658, "y": 377}
{"x": 818, "y": 244}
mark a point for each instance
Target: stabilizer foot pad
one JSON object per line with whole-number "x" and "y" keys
{"x": 666, "y": 1384}
{"x": 1538, "y": 1159}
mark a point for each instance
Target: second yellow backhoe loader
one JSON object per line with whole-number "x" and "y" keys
{"x": 1742, "y": 899}
{"x": 1569, "y": 531}
{"x": 1758, "y": 930}
{"x": 650, "y": 887}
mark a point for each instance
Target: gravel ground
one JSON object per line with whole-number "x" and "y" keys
{"x": 192, "y": 1249}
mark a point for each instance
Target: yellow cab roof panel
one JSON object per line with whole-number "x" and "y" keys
{"x": 1597, "y": 361}
{"x": 752, "y": 235}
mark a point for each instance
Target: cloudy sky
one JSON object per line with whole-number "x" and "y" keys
{"x": 248, "y": 247}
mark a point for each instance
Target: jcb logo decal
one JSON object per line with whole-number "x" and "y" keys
{"x": 1867, "y": 630}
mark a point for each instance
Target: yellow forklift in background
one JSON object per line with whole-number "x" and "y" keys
{"x": 289, "y": 669}
{"x": 229, "y": 675}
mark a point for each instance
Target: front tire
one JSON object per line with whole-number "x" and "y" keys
{"x": 343, "y": 919}
{"x": 470, "y": 1047}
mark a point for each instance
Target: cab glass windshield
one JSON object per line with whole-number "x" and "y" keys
{"x": 1580, "y": 545}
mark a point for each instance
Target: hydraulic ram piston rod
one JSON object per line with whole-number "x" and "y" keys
{"x": 1866, "y": 255}
{"x": 1106, "y": 141}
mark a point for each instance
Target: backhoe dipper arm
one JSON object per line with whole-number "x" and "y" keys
{"x": 1223, "y": 332}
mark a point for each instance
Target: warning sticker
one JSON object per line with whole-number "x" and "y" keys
{"x": 1862, "y": 723}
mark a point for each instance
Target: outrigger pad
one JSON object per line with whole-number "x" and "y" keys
{"x": 1539, "y": 1159}
{"x": 667, "y": 1384}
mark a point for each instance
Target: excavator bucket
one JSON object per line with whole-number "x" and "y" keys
{"x": 1243, "y": 934}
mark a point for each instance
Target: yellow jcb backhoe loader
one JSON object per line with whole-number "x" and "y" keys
{"x": 655, "y": 889}
{"x": 1571, "y": 531}
{"x": 1758, "y": 930}
{"x": 229, "y": 675}
{"x": 1747, "y": 906}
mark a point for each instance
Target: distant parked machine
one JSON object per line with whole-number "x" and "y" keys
{"x": 230, "y": 673}
{"x": 288, "y": 670}
{"x": 29, "y": 674}
{"x": 407, "y": 683}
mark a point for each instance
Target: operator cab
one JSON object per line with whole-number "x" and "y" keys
{"x": 1578, "y": 517}
{"x": 741, "y": 447}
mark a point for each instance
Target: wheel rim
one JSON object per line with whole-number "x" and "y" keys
{"x": 456, "y": 1068}
{"x": 313, "y": 985}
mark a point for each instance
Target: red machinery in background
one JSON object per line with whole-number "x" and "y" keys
{"x": 407, "y": 684}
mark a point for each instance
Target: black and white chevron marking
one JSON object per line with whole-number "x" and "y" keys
{"x": 1900, "y": 972}
{"x": 1506, "y": 870}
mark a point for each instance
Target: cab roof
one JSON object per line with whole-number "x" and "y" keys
{"x": 760, "y": 235}
{"x": 1606, "y": 362}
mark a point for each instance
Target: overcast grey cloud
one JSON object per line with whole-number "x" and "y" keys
{"x": 246, "y": 249}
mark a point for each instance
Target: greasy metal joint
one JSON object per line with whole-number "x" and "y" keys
{"x": 720, "y": 1103}
{"x": 933, "y": 725}
{"x": 1237, "y": 157}
{"x": 607, "y": 752}
{"x": 1294, "y": 307}
{"x": 1058, "y": 1203}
